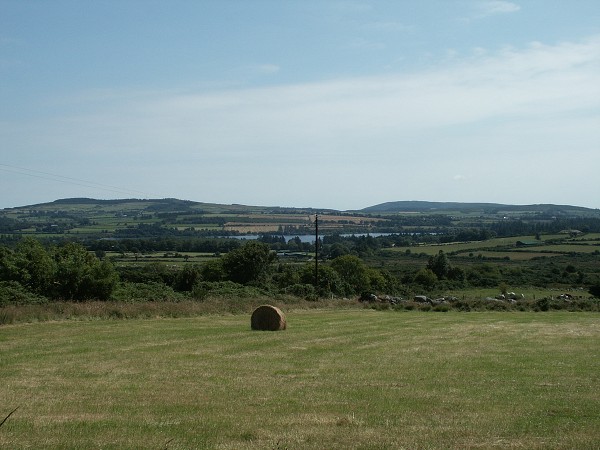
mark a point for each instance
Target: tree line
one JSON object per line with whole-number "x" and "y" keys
{"x": 33, "y": 272}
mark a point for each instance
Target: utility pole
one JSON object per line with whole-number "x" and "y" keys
{"x": 316, "y": 252}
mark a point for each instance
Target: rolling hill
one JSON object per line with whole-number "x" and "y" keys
{"x": 488, "y": 208}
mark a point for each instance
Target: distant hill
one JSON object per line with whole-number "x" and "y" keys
{"x": 86, "y": 218}
{"x": 174, "y": 205}
{"x": 448, "y": 207}
{"x": 134, "y": 205}
{"x": 163, "y": 205}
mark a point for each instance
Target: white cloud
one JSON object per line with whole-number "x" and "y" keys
{"x": 538, "y": 80}
{"x": 489, "y": 113}
{"x": 499, "y": 7}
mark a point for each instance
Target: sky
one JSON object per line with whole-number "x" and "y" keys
{"x": 338, "y": 104}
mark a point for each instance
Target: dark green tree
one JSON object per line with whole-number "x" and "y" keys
{"x": 34, "y": 267}
{"x": 338, "y": 249}
{"x": 249, "y": 263}
{"x": 187, "y": 277}
{"x": 8, "y": 268}
{"x": 426, "y": 278}
{"x": 439, "y": 264}
{"x": 595, "y": 290}
{"x": 212, "y": 270}
{"x": 329, "y": 281}
{"x": 286, "y": 275}
{"x": 377, "y": 281}
{"x": 80, "y": 275}
{"x": 352, "y": 271}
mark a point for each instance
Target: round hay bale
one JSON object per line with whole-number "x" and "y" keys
{"x": 269, "y": 318}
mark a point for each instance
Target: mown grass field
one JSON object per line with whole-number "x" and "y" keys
{"x": 348, "y": 379}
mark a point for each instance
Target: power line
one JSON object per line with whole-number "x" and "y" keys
{"x": 69, "y": 180}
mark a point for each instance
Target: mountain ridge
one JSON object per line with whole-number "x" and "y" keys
{"x": 403, "y": 206}
{"x": 428, "y": 206}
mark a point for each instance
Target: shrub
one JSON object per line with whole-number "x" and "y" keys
{"x": 12, "y": 293}
{"x": 187, "y": 277}
{"x": 153, "y": 291}
{"x": 225, "y": 289}
{"x": 595, "y": 290}
{"x": 329, "y": 281}
{"x": 543, "y": 304}
{"x": 426, "y": 278}
{"x": 302, "y": 290}
{"x": 441, "y": 308}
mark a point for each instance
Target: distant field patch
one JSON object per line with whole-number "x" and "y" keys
{"x": 246, "y": 228}
{"x": 567, "y": 248}
{"x": 350, "y": 219}
{"x": 512, "y": 255}
{"x": 500, "y": 247}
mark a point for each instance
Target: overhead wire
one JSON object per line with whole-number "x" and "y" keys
{"x": 69, "y": 180}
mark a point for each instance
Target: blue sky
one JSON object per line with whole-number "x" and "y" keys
{"x": 331, "y": 104}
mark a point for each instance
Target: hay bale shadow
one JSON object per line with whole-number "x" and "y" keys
{"x": 268, "y": 318}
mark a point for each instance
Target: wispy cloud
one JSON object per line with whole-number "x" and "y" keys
{"x": 265, "y": 69}
{"x": 487, "y": 8}
{"x": 365, "y": 44}
{"x": 387, "y": 26}
{"x": 525, "y": 104}
{"x": 352, "y": 6}
{"x": 512, "y": 85}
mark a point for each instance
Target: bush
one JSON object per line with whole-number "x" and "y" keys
{"x": 426, "y": 278}
{"x": 225, "y": 289}
{"x": 329, "y": 281}
{"x": 153, "y": 291}
{"x": 187, "y": 277}
{"x": 595, "y": 290}
{"x": 12, "y": 293}
{"x": 543, "y": 304}
{"x": 302, "y": 290}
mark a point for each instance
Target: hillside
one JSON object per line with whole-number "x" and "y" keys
{"x": 152, "y": 218}
{"x": 485, "y": 208}
{"x": 120, "y": 218}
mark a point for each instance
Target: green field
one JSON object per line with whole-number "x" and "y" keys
{"x": 547, "y": 246}
{"x": 170, "y": 258}
{"x": 348, "y": 379}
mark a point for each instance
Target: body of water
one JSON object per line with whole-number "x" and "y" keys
{"x": 310, "y": 238}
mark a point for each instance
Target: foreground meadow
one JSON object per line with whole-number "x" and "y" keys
{"x": 351, "y": 379}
